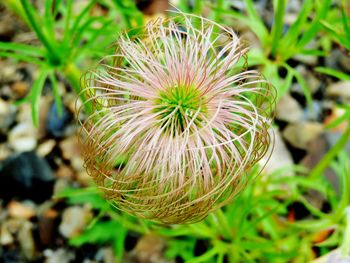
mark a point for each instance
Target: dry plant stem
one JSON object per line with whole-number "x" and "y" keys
{"x": 331, "y": 154}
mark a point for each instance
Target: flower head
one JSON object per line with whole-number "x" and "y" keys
{"x": 177, "y": 121}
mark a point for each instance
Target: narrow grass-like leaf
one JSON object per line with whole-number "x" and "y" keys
{"x": 255, "y": 22}
{"x": 209, "y": 254}
{"x": 56, "y": 94}
{"x": 22, "y": 49}
{"x": 283, "y": 89}
{"x": 315, "y": 26}
{"x": 303, "y": 85}
{"x": 35, "y": 94}
{"x": 81, "y": 16}
{"x": 49, "y": 19}
{"x": 279, "y": 7}
{"x": 34, "y": 22}
{"x": 297, "y": 27}
{"x": 334, "y": 73}
{"x": 22, "y": 58}
{"x": 67, "y": 20}
{"x": 346, "y": 22}
{"x": 80, "y": 31}
{"x": 313, "y": 52}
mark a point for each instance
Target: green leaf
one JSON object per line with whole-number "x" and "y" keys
{"x": 297, "y": 27}
{"x": 334, "y": 73}
{"x": 84, "y": 195}
{"x": 101, "y": 233}
{"x": 303, "y": 85}
{"x": 21, "y": 57}
{"x": 345, "y": 21}
{"x": 49, "y": 19}
{"x": 256, "y": 24}
{"x": 279, "y": 7}
{"x": 208, "y": 255}
{"x": 184, "y": 248}
{"x": 81, "y": 16}
{"x": 335, "y": 123}
{"x": 35, "y": 94}
{"x": 22, "y": 49}
{"x": 56, "y": 94}
{"x": 315, "y": 26}
{"x": 34, "y": 22}
{"x": 284, "y": 88}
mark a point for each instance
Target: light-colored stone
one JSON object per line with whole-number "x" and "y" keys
{"x": 26, "y": 240}
{"x": 65, "y": 171}
{"x": 74, "y": 220}
{"x": 149, "y": 249}
{"x": 58, "y": 256}
{"x": 46, "y": 147}
{"x": 289, "y": 110}
{"x": 5, "y": 151}
{"x": 106, "y": 255}
{"x": 300, "y": 134}
{"x": 20, "y": 88}
{"x": 6, "y": 237}
{"x": 70, "y": 147}
{"x": 7, "y": 115}
{"x": 20, "y": 210}
{"x": 280, "y": 156}
{"x": 340, "y": 90}
{"x": 22, "y": 137}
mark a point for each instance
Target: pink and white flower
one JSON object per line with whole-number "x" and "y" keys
{"x": 186, "y": 119}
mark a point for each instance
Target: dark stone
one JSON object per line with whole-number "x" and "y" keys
{"x": 12, "y": 255}
{"x": 26, "y": 176}
{"x": 131, "y": 240}
{"x": 55, "y": 123}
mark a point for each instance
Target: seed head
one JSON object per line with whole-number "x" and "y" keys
{"x": 177, "y": 120}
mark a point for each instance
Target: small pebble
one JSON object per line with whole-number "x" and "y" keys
{"x": 6, "y": 238}
{"x": 289, "y": 110}
{"x": 300, "y": 134}
{"x": 20, "y": 210}
{"x": 340, "y": 90}
{"x": 30, "y": 174}
{"x": 22, "y": 137}
{"x": 74, "y": 220}
{"x": 60, "y": 255}
{"x": 26, "y": 240}
{"x": 280, "y": 156}
{"x": 46, "y": 147}
{"x": 20, "y": 88}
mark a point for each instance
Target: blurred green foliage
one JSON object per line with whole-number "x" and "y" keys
{"x": 259, "y": 226}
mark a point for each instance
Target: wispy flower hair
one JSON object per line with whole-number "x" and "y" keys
{"x": 177, "y": 121}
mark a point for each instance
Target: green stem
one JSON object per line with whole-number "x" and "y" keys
{"x": 28, "y": 9}
{"x": 73, "y": 75}
{"x": 16, "y": 7}
{"x": 222, "y": 222}
{"x": 329, "y": 156}
{"x": 277, "y": 25}
{"x": 345, "y": 246}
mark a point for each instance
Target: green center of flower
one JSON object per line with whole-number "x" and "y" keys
{"x": 180, "y": 105}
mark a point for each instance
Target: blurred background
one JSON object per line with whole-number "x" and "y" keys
{"x": 296, "y": 210}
